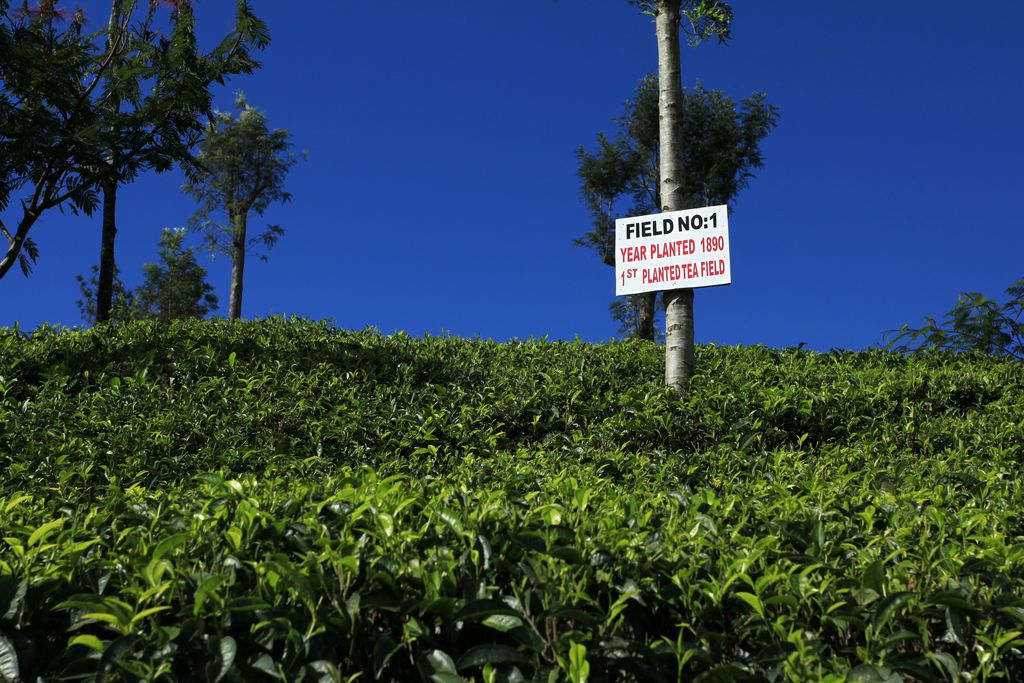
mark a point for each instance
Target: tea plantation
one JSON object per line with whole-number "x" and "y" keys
{"x": 286, "y": 501}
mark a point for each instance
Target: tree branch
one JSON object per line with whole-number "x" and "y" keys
{"x": 15, "y": 243}
{"x": 56, "y": 201}
{"x": 105, "y": 64}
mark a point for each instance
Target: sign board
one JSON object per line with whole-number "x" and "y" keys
{"x": 674, "y": 250}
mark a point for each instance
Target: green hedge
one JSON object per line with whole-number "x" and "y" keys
{"x": 282, "y": 500}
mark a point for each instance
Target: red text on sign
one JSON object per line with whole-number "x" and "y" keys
{"x": 712, "y": 268}
{"x": 657, "y": 251}
{"x": 633, "y": 254}
{"x": 672, "y": 249}
{"x": 716, "y": 243}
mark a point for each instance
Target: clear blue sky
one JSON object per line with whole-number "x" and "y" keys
{"x": 441, "y": 194}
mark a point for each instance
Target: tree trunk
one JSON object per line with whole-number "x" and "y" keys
{"x": 237, "y": 266}
{"x": 679, "y": 348}
{"x": 645, "y": 316}
{"x": 105, "y": 278}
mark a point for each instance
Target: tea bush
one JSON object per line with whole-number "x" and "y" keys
{"x": 283, "y": 500}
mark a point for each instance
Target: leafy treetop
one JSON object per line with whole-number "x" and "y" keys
{"x": 241, "y": 168}
{"x": 975, "y": 324}
{"x": 699, "y": 19}
{"x": 175, "y": 288}
{"x": 722, "y": 149}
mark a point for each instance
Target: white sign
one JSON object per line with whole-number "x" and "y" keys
{"x": 673, "y": 250}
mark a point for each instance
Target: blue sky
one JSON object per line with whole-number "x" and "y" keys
{"x": 441, "y": 196}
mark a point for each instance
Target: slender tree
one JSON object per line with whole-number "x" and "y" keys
{"x": 176, "y": 286}
{"x": 679, "y": 334}
{"x": 721, "y": 150}
{"x": 158, "y": 130}
{"x": 107, "y": 270}
{"x": 705, "y": 18}
{"x": 241, "y": 169}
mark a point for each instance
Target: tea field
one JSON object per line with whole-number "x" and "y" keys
{"x": 286, "y": 501}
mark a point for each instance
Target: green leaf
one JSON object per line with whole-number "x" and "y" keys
{"x": 947, "y": 664}
{"x": 12, "y": 593}
{"x": 323, "y": 671}
{"x": 452, "y": 520}
{"x": 168, "y": 544}
{"x": 874, "y": 577}
{"x": 247, "y": 603}
{"x": 1006, "y": 639}
{"x": 954, "y": 599}
{"x": 9, "y": 671}
{"x": 579, "y": 667}
{"x": 503, "y": 622}
{"x": 436, "y": 666}
{"x": 107, "y": 618}
{"x": 15, "y": 502}
{"x": 88, "y": 641}
{"x": 387, "y": 523}
{"x": 900, "y": 636}
{"x": 887, "y": 607}
{"x": 149, "y": 612}
{"x": 491, "y": 654}
{"x": 956, "y": 629}
{"x": 45, "y": 530}
{"x": 568, "y": 554}
{"x": 206, "y": 589}
{"x": 265, "y": 663}
{"x": 865, "y": 596}
{"x": 383, "y": 650}
{"x": 485, "y": 550}
{"x": 112, "y": 655}
{"x": 228, "y": 650}
{"x": 478, "y": 610}
{"x": 753, "y": 601}
{"x": 866, "y": 673}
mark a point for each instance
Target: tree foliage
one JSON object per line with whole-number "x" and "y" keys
{"x": 164, "y": 85}
{"x": 60, "y": 136}
{"x": 123, "y": 308}
{"x": 620, "y": 174}
{"x": 170, "y": 118}
{"x": 176, "y": 287}
{"x": 173, "y": 288}
{"x": 699, "y": 19}
{"x": 49, "y": 134}
{"x": 241, "y": 169}
{"x": 975, "y": 324}
{"x": 631, "y": 311}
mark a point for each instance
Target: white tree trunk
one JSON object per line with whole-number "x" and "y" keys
{"x": 679, "y": 346}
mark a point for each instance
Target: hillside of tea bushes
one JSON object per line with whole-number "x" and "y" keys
{"x": 286, "y": 501}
